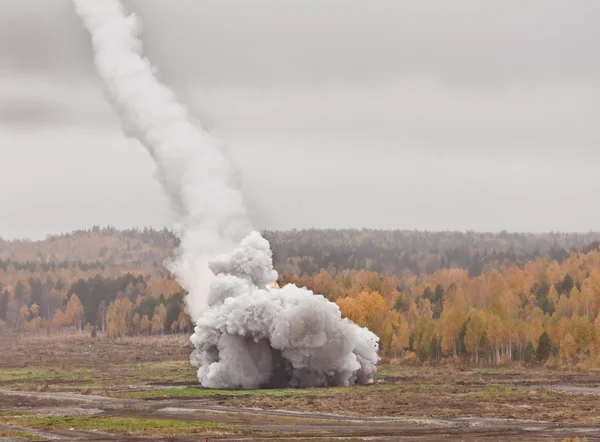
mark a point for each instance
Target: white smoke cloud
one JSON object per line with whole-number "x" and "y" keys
{"x": 193, "y": 169}
{"x": 246, "y": 336}
{"x": 253, "y": 337}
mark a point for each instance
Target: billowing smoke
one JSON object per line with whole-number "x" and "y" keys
{"x": 252, "y": 336}
{"x": 246, "y": 335}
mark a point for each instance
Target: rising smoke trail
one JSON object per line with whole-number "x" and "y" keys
{"x": 246, "y": 336}
{"x": 195, "y": 173}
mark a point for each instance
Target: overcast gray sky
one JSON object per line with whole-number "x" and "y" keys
{"x": 390, "y": 114}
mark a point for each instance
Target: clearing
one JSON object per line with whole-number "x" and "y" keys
{"x": 77, "y": 388}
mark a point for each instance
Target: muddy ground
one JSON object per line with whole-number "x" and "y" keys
{"x": 77, "y": 388}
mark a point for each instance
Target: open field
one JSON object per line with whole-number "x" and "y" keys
{"x": 78, "y": 388}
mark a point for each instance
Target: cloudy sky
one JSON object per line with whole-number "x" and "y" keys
{"x": 413, "y": 114}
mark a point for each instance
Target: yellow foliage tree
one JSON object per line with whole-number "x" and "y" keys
{"x": 118, "y": 317}
{"x": 401, "y": 337}
{"x": 451, "y": 321}
{"x": 158, "y": 319}
{"x": 369, "y": 309}
{"x": 583, "y": 333}
{"x": 35, "y": 310}
{"x": 184, "y": 321}
{"x": 74, "y": 312}
{"x": 23, "y": 317}
{"x": 575, "y": 302}
{"x": 35, "y": 324}
{"x": 59, "y": 319}
{"x": 145, "y": 324}
{"x": 135, "y": 322}
{"x": 496, "y": 334}
{"x": 474, "y": 333}
{"x": 568, "y": 347}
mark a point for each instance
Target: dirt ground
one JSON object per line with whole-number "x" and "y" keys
{"x": 77, "y": 388}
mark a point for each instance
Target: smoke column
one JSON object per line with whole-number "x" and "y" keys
{"x": 195, "y": 173}
{"x": 246, "y": 335}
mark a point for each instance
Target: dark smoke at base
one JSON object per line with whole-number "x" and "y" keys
{"x": 246, "y": 336}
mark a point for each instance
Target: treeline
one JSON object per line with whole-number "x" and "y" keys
{"x": 545, "y": 311}
{"x": 124, "y": 305}
{"x": 389, "y": 252}
{"x": 132, "y": 247}
{"x": 37, "y": 266}
{"x": 431, "y": 297}
{"x": 401, "y": 252}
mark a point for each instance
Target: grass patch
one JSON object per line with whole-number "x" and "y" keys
{"x": 495, "y": 391}
{"x": 45, "y": 374}
{"x": 20, "y": 435}
{"x": 123, "y": 425}
{"x": 449, "y": 412}
{"x": 388, "y": 371}
{"x": 15, "y": 413}
{"x": 494, "y": 371}
{"x": 172, "y": 371}
{"x": 206, "y": 392}
{"x": 162, "y": 393}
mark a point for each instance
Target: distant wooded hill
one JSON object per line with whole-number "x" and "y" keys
{"x": 393, "y": 252}
{"x": 395, "y": 282}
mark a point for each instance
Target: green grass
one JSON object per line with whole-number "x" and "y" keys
{"x": 28, "y": 378}
{"x": 20, "y": 434}
{"x": 449, "y": 412}
{"x": 387, "y": 371}
{"x": 41, "y": 374}
{"x": 268, "y": 392}
{"x": 494, "y": 371}
{"x": 495, "y": 391}
{"x": 172, "y": 371}
{"x": 205, "y": 392}
{"x": 14, "y": 413}
{"x": 122, "y": 425}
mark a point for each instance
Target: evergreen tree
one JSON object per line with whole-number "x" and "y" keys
{"x": 544, "y": 347}
{"x": 529, "y": 354}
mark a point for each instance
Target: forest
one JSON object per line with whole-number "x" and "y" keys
{"x": 431, "y": 297}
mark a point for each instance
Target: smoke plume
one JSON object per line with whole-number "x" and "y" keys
{"x": 194, "y": 171}
{"x": 246, "y": 335}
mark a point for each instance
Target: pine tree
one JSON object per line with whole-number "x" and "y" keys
{"x": 529, "y": 354}
{"x": 544, "y": 348}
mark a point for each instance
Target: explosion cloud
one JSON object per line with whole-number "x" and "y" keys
{"x": 246, "y": 335}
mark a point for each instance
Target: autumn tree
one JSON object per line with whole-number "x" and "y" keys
{"x": 145, "y": 325}
{"x": 451, "y": 322}
{"x": 568, "y": 347}
{"x": 597, "y": 334}
{"x": 35, "y": 323}
{"x": 118, "y": 317}
{"x": 582, "y": 332}
{"x": 158, "y": 319}
{"x": 401, "y": 337}
{"x": 74, "y": 312}
{"x": 59, "y": 319}
{"x": 23, "y": 317}
{"x": 184, "y": 321}
{"x": 135, "y": 322}
{"x": 426, "y": 339}
{"x": 474, "y": 333}
{"x": 496, "y": 334}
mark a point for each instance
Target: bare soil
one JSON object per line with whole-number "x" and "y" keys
{"x": 91, "y": 379}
